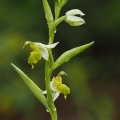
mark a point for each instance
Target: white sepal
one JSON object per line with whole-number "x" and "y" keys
{"x": 44, "y": 51}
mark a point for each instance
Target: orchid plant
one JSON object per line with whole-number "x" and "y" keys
{"x": 55, "y": 86}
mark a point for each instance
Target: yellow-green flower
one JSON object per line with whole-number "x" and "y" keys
{"x": 73, "y": 17}
{"x": 39, "y": 50}
{"x": 57, "y": 87}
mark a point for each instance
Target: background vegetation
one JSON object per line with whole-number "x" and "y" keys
{"x": 93, "y": 76}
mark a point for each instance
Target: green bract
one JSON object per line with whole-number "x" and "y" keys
{"x": 66, "y": 56}
{"x": 74, "y": 20}
{"x": 32, "y": 86}
{"x": 48, "y": 13}
{"x": 62, "y": 2}
{"x": 39, "y": 50}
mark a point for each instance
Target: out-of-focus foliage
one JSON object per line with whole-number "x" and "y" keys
{"x": 93, "y": 76}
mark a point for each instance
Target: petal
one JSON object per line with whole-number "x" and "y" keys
{"x": 75, "y": 12}
{"x": 44, "y": 51}
{"x": 55, "y": 95}
{"x": 45, "y": 92}
{"x": 26, "y": 43}
{"x": 51, "y": 45}
{"x": 52, "y": 86}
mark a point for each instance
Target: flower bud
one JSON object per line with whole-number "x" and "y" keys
{"x": 73, "y": 19}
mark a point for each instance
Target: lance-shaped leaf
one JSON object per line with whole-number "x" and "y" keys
{"x": 48, "y": 12}
{"x": 62, "y": 2}
{"x": 58, "y": 6}
{"x": 66, "y": 56}
{"x": 33, "y": 87}
{"x": 57, "y": 9}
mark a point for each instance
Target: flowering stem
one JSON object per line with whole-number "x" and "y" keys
{"x": 58, "y": 21}
{"x": 52, "y": 31}
{"x": 48, "y": 72}
{"x": 50, "y": 102}
{"x": 50, "y": 62}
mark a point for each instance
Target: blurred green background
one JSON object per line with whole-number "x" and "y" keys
{"x": 93, "y": 76}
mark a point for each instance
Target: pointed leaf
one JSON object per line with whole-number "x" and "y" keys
{"x": 57, "y": 9}
{"x": 33, "y": 87}
{"x": 63, "y": 2}
{"x": 58, "y": 6}
{"x": 48, "y": 12}
{"x": 66, "y": 56}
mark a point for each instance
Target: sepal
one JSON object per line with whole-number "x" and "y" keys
{"x": 62, "y": 2}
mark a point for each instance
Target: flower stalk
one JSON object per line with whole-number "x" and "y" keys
{"x": 50, "y": 102}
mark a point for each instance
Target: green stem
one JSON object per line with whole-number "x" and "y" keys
{"x": 57, "y": 12}
{"x": 52, "y": 34}
{"x": 47, "y": 80}
{"x": 50, "y": 102}
{"x": 54, "y": 115}
{"x": 50, "y": 62}
{"x": 58, "y": 21}
{"x": 52, "y": 29}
